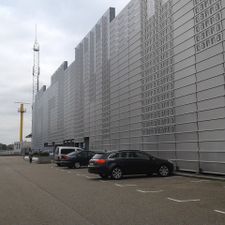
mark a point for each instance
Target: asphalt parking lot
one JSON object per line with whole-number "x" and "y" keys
{"x": 45, "y": 194}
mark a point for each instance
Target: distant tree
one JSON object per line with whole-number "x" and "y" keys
{"x": 10, "y": 147}
{"x": 3, "y": 146}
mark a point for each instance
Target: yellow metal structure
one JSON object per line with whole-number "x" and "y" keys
{"x": 21, "y": 110}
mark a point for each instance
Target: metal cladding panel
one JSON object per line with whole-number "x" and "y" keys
{"x": 151, "y": 78}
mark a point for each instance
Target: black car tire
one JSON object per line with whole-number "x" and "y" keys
{"x": 116, "y": 173}
{"x": 71, "y": 166}
{"x": 103, "y": 176}
{"x": 163, "y": 171}
{"x": 77, "y": 165}
{"x": 58, "y": 164}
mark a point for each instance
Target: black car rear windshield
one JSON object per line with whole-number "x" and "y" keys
{"x": 66, "y": 151}
{"x": 99, "y": 156}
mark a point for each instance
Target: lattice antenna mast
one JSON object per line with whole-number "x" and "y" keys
{"x": 36, "y": 67}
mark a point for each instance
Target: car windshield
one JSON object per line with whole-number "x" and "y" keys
{"x": 98, "y": 156}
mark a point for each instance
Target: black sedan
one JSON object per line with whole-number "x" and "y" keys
{"x": 119, "y": 163}
{"x": 76, "y": 159}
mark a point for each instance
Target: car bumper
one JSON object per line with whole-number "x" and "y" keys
{"x": 65, "y": 163}
{"x": 97, "y": 170}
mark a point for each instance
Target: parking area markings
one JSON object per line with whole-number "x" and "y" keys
{"x": 125, "y": 185}
{"x": 183, "y": 201}
{"x": 199, "y": 181}
{"x": 144, "y": 192}
{"x": 219, "y": 211}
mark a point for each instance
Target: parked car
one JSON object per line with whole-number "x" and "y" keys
{"x": 64, "y": 150}
{"x": 119, "y": 163}
{"x": 76, "y": 159}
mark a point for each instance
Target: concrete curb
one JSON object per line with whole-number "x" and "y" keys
{"x": 200, "y": 176}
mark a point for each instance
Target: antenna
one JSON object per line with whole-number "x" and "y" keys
{"x": 36, "y": 67}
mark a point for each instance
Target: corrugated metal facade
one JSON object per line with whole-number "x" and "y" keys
{"x": 152, "y": 78}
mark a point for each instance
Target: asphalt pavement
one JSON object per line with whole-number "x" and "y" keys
{"x": 44, "y": 194}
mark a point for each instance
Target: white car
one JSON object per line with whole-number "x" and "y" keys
{"x": 64, "y": 150}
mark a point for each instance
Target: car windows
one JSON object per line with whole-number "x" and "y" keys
{"x": 91, "y": 154}
{"x": 137, "y": 155}
{"x": 123, "y": 155}
{"x": 72, "y": 154}
{"x": 66, "y": 150}
{"x": 132, "y": 155}
{"x": 114, "y": 155}
{"x": 98, "y": 156}
{"x": 57, "y": 151}
{"x": 141, "y": 155}
{"x": 82, "y": 154}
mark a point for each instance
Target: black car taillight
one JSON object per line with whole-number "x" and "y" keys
{"x": 100, "y": 161}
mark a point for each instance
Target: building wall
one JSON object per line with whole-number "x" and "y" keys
{"x": 151, "y": 78}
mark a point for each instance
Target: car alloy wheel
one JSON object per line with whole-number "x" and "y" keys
{"x": 117, "y": 173}
{"x": 77, "y": 165}
{"x": 163, "y": 171}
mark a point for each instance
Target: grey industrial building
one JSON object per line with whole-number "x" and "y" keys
{"x": 151, "y": 78}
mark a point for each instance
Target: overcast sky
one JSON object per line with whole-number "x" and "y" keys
{"x": 61, "y": 26}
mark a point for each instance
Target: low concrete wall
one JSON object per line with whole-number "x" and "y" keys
{"x": 41, "y": 159}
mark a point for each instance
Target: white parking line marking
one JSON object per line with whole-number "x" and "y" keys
{"x": 89, "y": 177}
{"x": 68, "y": 172}
{"x": 125, "y": 185}
{"x": 103, "y": 181}
{"x": 218, "y": 211}
{"x": 77, "y": 174}
{"x": 199, "y": 181}
{"x": 155, "y": 191}
{"x": 182, "y": 201}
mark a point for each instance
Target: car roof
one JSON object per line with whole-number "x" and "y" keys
{"x": 61, "y": 147}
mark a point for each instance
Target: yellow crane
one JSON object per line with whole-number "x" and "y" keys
{"x": 21, "y": 110}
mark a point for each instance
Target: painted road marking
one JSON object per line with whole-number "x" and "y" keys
{"x": 89, "y": 177}
{"x": 218, "y": 211}
{"x": 155, "y": 191}
{"x": 199, "y": 181}
{"x": 103, "y": 181}
{"x": 125, "y": 185}
{"x": 182, "y": 201}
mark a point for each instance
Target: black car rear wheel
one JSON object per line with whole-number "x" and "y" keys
{"x": 163, "y": 171}
{"x": 77, "y": 165}
{"x": 116, "y": 173}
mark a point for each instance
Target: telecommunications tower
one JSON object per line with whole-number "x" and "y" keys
{"x": 36, "y": 67}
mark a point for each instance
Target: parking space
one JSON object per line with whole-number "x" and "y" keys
{"x": 85, "y": 198}
{"x": 176, "y": 190}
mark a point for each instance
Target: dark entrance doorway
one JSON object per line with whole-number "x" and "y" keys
{"x": 86, "y": 143}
